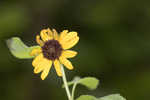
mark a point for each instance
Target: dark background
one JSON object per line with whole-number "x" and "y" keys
{"x": 114, "y": 46}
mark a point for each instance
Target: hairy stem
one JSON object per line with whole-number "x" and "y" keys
{"x": 65, "y": 83}
{"x": 73, "y": 90}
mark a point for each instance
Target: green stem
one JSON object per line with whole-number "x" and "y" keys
{"x": 73, "y": 90}
{"x": 65, "y": 83}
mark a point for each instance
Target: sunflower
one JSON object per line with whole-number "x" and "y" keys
{"x": 53, "y": 50}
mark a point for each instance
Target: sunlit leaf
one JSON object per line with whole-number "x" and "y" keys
{"x": 19, "y": 49}
{"x": 90, "y": 82}
{"x": 112, "y": 97}
{"x": 86, "y": 97}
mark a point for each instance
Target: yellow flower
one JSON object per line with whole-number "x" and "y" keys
{"x": 53, "y": 50}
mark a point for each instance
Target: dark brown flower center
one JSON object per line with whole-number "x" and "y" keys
{"x": 52, "y": 49}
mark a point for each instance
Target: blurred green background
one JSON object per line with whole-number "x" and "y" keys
{"x": 114, "y": 46}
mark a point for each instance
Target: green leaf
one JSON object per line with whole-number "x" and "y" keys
{"x": 109, "y": 97}
{"x": 19, "y": 49}
{"x": 112, "y": 97}
{"x": 86, "y": 97}
{"x": 90, "y": 82}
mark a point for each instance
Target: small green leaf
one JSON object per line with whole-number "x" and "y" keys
{"x": 112, "y": 97}
{"x": 19, "y": 49}
{"x": 86, "y": 97}
{"x": 90, "y": 82}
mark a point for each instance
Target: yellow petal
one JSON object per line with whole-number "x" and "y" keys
{"x": 44, "y": 35}
{"x": 63, "y": 34}
{"x": 46, "y": 70}
{"x": 39, "y": 41}
{"x": 57, "y": 67}
{"x": 55, "y": 34}
{"x": 50, "y": 33}
{"x": 36, "y": 51}
{"x": 66, "y": 62}
{"x": 41, "y": 64}
{"x": 40, "y": 61}
{"x": 68, "y": 37}
{"x": 69, "y": 53}
{"x": 37, "y": 60}
{"x": 70, "y": 43}
{"x": 38, "y": 69}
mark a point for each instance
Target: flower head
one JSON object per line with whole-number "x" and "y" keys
{"x": 53, "y": 50}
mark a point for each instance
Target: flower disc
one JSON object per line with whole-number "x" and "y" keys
{"x": 52, "y": 49}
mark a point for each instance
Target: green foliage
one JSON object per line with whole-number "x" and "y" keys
{"x": 89, "y": 82}
{"x": 109, "y": 97}
{"x": 112, "y": 97}
{"x": 19, "y": 49}
{"x": 86, "y": 97}
{"x": 92, "y": 83}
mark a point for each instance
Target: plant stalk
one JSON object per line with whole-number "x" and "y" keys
{"x": 65, "y": 83}
{"x": 73, "y": 90}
